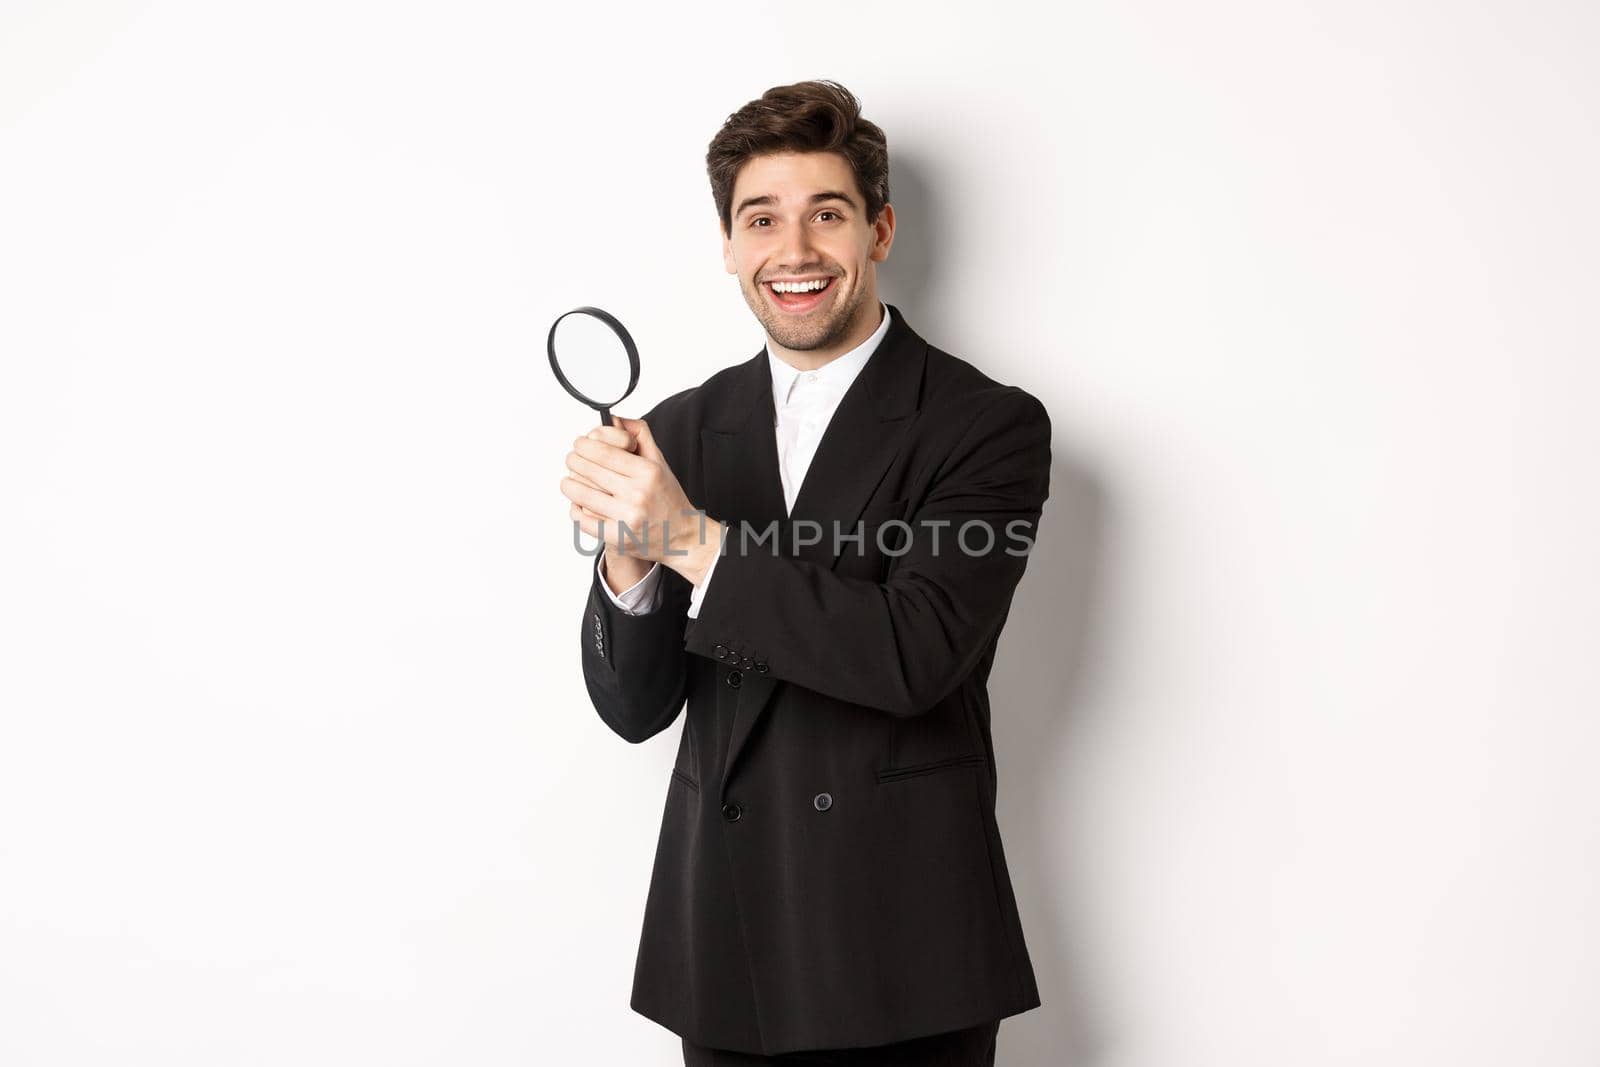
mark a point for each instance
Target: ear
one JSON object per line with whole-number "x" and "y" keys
{"x": 728, "y": 262}
{"x": 882, "y": 234}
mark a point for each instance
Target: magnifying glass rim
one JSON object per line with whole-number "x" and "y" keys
{"x": 627, "y": 343}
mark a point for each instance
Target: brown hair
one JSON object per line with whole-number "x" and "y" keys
{"x": 809, "y": 116}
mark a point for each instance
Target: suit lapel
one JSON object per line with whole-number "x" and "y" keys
{"x": 867, "y": 431}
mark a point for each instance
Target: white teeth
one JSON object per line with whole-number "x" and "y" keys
{"x": 798, "y": 287}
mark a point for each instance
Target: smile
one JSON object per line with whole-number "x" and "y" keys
{"x": 799, "y": 296}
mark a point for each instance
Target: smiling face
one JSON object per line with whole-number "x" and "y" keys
{"x": 800, "y": 221}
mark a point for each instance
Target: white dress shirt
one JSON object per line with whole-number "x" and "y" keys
{"x": 803, "y": 403}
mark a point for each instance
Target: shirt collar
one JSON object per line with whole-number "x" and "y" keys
{"x": 838, "y": 372}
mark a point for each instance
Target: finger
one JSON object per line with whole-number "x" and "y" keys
{"x": 594, "y": 524}
{"x": 586, "y": 520}
{"x": 593, "y": 474}
{"x": 611, "y": 457}
{"x": 601, "y": 503}
{"x": 615, "y": 436}
{"x": 585, "y": 479}
{"x": 647, "y": 442}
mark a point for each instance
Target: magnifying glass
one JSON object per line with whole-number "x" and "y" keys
{"x": 598, "y": 357}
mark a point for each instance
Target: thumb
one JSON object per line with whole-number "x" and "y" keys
{"x": 641, "y": 433}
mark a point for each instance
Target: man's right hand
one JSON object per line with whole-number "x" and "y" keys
{"x": 622, "y": 572}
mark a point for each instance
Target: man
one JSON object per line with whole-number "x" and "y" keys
{"x": 830, "y": 885}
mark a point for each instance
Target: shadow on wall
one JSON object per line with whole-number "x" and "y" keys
{"x": 1040, "y": 674}
{"x": 908, "y": 274}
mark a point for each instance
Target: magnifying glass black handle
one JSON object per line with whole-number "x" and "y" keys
{"x": 605, "y": 417}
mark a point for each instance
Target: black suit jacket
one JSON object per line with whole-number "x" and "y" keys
{"x": 829, "y": 872}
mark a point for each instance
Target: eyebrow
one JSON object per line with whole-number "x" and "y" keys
{"x": 768, "y": 201}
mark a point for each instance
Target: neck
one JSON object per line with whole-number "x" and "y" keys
{"x": 867, "y": 320}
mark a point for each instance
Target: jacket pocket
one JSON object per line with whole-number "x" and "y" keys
{"x": 934, "y": 737}
{"x": 685, "y": 779}
{"x": 895, "y": 774}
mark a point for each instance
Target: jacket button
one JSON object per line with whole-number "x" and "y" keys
{"x": 761, "y": 665}
{"x": 722, "y": 651}
{"x": 735, "y": 679}
{"x": 822, "y": 802}
{"x": 731, "y": 811}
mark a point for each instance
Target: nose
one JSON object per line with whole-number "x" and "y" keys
{"x": 797, "y": 254}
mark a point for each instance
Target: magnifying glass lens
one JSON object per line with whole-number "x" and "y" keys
{"x": 593, "y": 358}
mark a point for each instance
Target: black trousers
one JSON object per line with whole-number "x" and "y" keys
{"x": 972, "y": 1047}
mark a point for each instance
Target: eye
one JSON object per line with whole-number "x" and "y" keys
{"x": 759, "y": 219}
{"x": 835, "y": 214}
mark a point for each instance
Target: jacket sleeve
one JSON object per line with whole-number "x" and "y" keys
{"x": 902, "y": 644}
{"x": 634, "y": 665}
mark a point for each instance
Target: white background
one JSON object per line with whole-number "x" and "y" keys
{"x": 1297, "y": 706}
